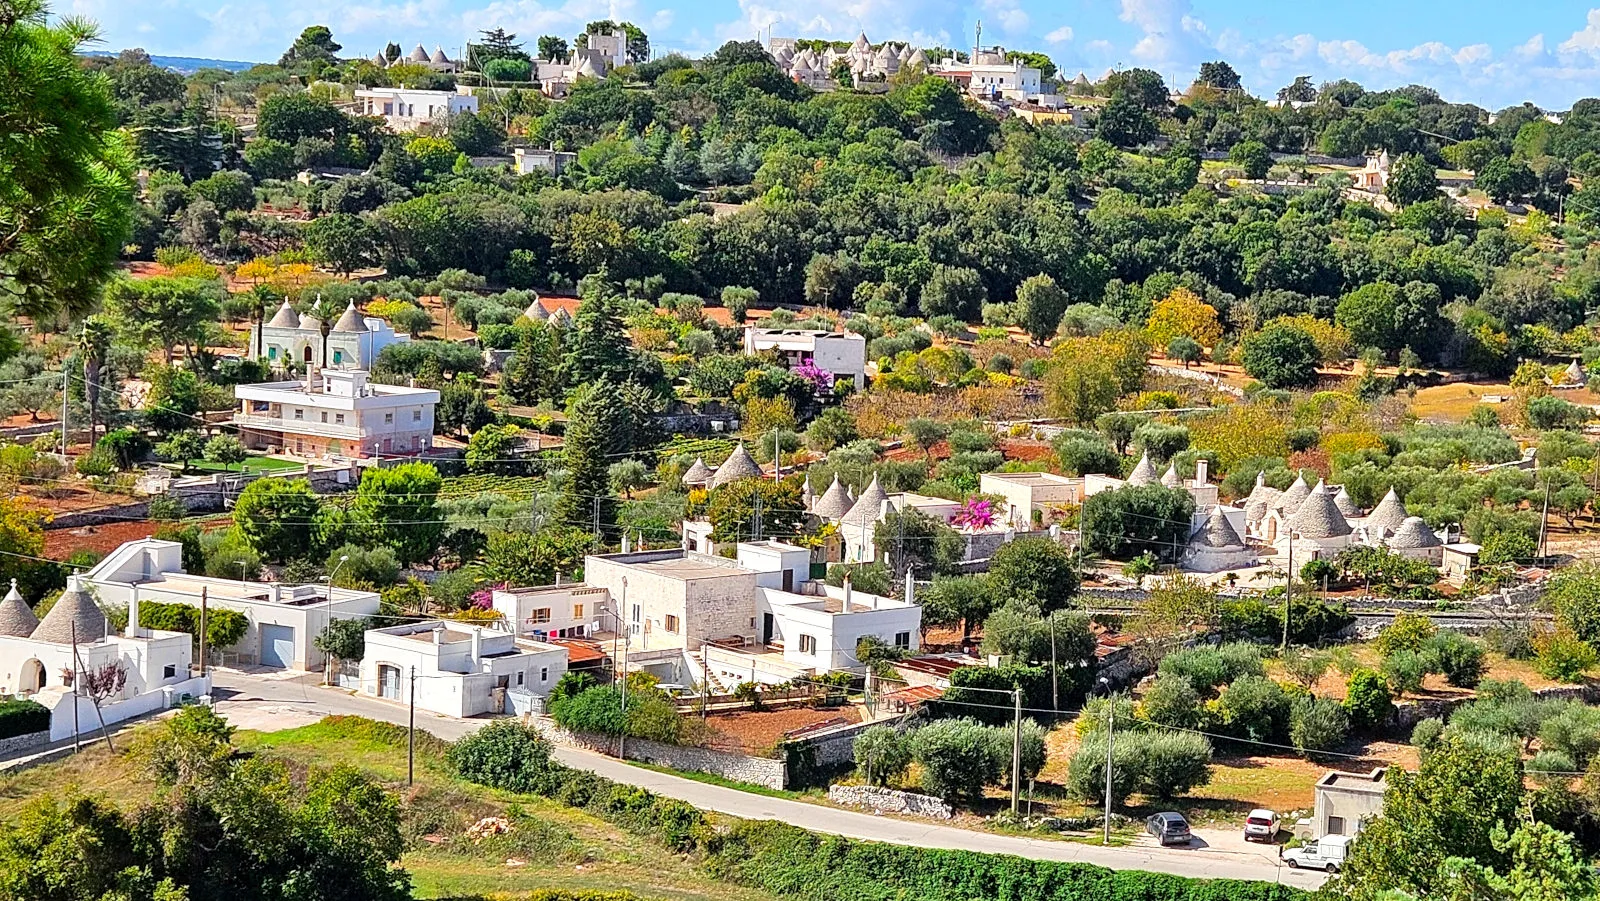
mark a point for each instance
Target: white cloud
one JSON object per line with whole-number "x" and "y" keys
{"x": 1587, "y": 38}
{"x": 1534, "y": 46}
{"x": 1060, "y": 35}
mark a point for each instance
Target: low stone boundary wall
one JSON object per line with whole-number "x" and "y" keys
{"x": 16, "y": 744}
{"x": 888, "y": 800}
{"x": 754, "y": 770}
{"x": 1408, "y": 713}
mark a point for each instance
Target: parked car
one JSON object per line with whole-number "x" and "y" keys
{"x": 1261, "y": 826}
{"x": 1169, "y": 828}
{"x": 1327, "y": 854}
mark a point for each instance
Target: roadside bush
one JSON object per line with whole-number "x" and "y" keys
{"x": 597, "y": 709}
{"x": 1172, "y": 763}
{"x": 1404, "y": 671}
{"x": 1459, "y": 658}
{"x": 1093, "y": 719}
{"x": 1172, "y": 701}
{"x": 507, "y": 755}
{"x": 1317, "y": 724}
{"x": 1563, "y": 656}
{"x": 1306, "y": 668}
{"x": 1254, "y": 708}
{"x": 956, "y": 758}
{"x": 882, "y": 753}
{"x": 1086, "y": 771}
{"x": 22, "y": 717}
{"x": 1207, "y": 668}
{"x": 1033, "y": 756}
{"x": 1408, "y": 632}
{"x": 1367, "y": 700}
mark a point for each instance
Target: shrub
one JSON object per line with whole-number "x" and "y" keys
{"x": 1425, "y": 734}
{"x": 1574, "y": 730}
{"x": 1086, "y": 771}
{"x": 507, "y": 755}
{"x": 882, "y": 753}
{"x": 1404, "y": 671}
{"x": 1206, "y": 668}
{"x": 1172, "y": 763}
{"x": 1408, "y": 632}
{"x": 22, "y": 717}
{"x": 1553, "y": 765}
{"x": 1367, "y": 699}
{"x": 1172, "y": 701}
{"x": 1317, "y": 724}
{"x": 1306, "y": 668}
{"x": 955, "y": 758}
{"x": 1095, "y": 710}
{"x": 1563, "y": 656}
{"x": 1255, "y": 708}
{"x": 598, "y": 710}
{"x": 1459, "y": 658}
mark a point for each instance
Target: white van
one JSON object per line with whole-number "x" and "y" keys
{"x": 1327, "y": 854}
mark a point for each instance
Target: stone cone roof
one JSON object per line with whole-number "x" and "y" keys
{"x": 834, "y": 503}
{"x": 1574, "y": 373}
{"x": 739, "y": 465}
{"x": 308, "y": 321}
{"x": 1217, "y": 532}
{"x": 16, "y": 617}
{"x": 1081, "y": 81}
{"x": 1256, "y": 507}
{"x": 350, "y": 321}
{"x": 1413, "y": 534}
{"x": 1317, "y": 517}
{"x": 1144, "y": 473}
{"x": 1346, "y": 504}
{"x": 698, "y": 473}
{"x": 379, "y": 60}
{"x": 1291, "y": 498}
{"x": 560, "y": 317}
{"x": 869, "y": 506}
{"x": 917, "y": 58}
{"x": 588, "y": 68}
{"x": 73, "y": 607}
{"x": 536, "y": 312}
{"x": 1390, "y": 514}
{"x": 419, "y": 55}
{"x": 285, "y": 317}
{"x": 1169, "y": 479}
{"x": 438, "y": 58}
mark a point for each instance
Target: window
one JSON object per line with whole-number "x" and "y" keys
{"x": 808, "y": 644}
{"x": 672, "y": 623}
{"x": 324, "y": 415}
{"x": 1335, "y": 826}
{"x": 637, "y": 614}
{"x": 169, "y": 671}
{"x": 388, "y": 419}
{"x": 519, "y": 677}
{"x": 577, "y": 611}
{"x": 541, "y": 615}
{"x": 416, "y": 415}
{"x": 902, "y": 640}
{"x": 544, "y": 674}
{"x": 338, "y": 418}
{"x": 272, "y": 353}
{"x": 299, "y": 413}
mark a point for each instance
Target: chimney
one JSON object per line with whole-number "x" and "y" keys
{"x": 477, "y": 644}
{"x": 844, "y": 605}
{"x": 558, "y": 577}
{"x": 133, "y": 609}
{"x": 911, "y": 587}
{"x": 625, "y": 542}
{"x": 438, "y": 634}
{"x": 1200, "y": 472}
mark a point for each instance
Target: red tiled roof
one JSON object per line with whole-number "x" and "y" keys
{"x": 917, "y": 694}
{"x": 938, "y": 665}
{"x": 578, "y": 650}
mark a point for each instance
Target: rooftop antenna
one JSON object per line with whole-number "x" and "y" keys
{"x": 977, "y": 41}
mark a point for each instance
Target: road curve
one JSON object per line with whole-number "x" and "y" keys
{"x": 238, "y": 691}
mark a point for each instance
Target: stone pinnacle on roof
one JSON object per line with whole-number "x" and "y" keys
{"x": 285, "y": 317}
{"x": 16, "y": 617}
{"x": 1317, "y": 517}
{"x": 1289, "y": 501}
{"x": 1389, "y": 515}
{"x": 868, "y": 507}
{"x": 1144, "y": 473}
{"x": 1413, "y": 534}
{"x": 739, "y": 465}
{"x": 1345, "y": 503}
{"x": 834, "y": 503}
{"x": 350, "y": 321}
{"x": 1217, "y": 532}
{"x": 73, "y": 608}
{"x": 1169, "y": 479}
{"x": 698, "y": 473}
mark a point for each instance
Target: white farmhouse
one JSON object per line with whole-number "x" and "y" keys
{"x": 37, "y": 661}
{"x": 407, "y": 109}
{"x": 295, "y": 339}
{"x": 335, "y": 413}
{"x": 457, "y": 669}
{"x": 842, "y": 353}
{"x": 284, "y": 619}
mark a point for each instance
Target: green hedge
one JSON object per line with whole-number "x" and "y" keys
{"x": 21, "y": 717}
{"x": 553, "y": 894}
{"x": 793, "y": 863}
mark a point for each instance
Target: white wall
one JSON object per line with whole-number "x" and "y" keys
{"x": 570, "y": 607}
{"x": 836, "y": 634}
{"x": 451, "y": 679}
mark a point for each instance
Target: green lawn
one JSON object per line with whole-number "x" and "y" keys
{"x": 251, "y": 464}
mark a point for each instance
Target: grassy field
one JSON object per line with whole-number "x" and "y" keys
{"x": 549, "y": 846}
{"x": 250, "y": 464}
{"x": 1453, "y": 402}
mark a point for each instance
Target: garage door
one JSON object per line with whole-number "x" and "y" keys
{"x": 277, "y": 646}
{"x": 388, "y": 681}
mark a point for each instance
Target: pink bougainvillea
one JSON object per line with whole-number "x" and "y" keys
{"x": 820, "y": 379}
{"x": 483, "y": 598}
{"x": 975, "y": 513}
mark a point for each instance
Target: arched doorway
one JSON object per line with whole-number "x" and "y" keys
{"x": 306, "y": 353}
{"x": 33, "y": 677}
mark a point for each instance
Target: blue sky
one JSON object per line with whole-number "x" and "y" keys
{"x": 1491, "y": 52}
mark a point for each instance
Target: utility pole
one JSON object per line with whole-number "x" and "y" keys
{"x": 597, "y": 519}
{"x": 1055, "y": 681}
{"x": 77, "y": 668}
{"x": 622, "y": 739}
{"x": 411, "y": 733}
{"x": 1111, "y": 720}
{"x": 76, "y": 745}
{"x": 1544, "y": 518}
{"x": 705, "y": 681}
{"x": 202, "y": 631}
{"x": 1016, "y": 749}
{"x": 66, "y": 378}
{"x": 1288, "y": 592}
{"x": 777, "y": 458}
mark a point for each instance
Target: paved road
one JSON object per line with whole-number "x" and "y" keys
{"x": 265, "y": 703}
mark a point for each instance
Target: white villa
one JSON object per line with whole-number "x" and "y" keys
{"x": 844, "y": 354}
{"x": 458, "y": 670}
{"x": 335, "y": 413}
{"x": 407, "y": 109}
{"x": 284, "y": 619}
{"x": 291, "y": 338}
{"x": 988, "y": 74}
{"x": 37, "y": 661}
